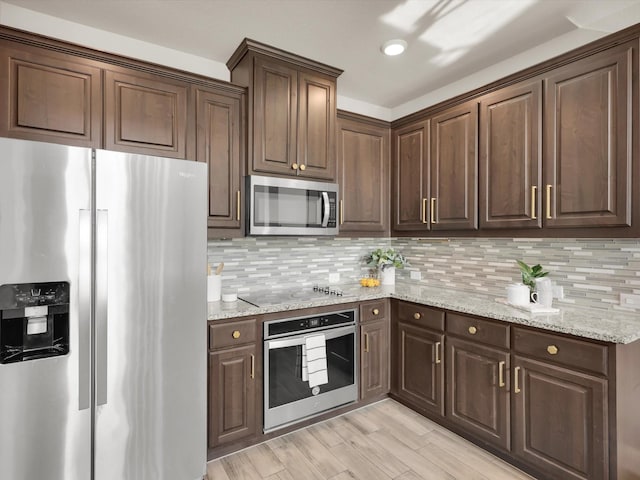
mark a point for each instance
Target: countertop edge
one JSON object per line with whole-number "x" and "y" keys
{"x": 483, "y": 307}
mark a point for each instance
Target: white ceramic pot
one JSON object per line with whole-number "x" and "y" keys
{"x": 388, "y": 276}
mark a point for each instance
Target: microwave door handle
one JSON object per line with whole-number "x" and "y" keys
{"x": 325, "y": 209}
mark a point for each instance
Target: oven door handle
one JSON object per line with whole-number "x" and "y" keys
{"x": 299, "y": 339}
{"x": 326, "y": 209}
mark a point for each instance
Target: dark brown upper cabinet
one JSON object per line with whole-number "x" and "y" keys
{"x": 589, "y": 115}
{"x": 363, "y": 175}
{"x": 454, "y": 168}
{"x": 49, "y": 97}
{"x": 410, "y": 194}
{"x": 292, "y": 104}
{"x": 511, "y": 157}
{"x": 145, "y": 114}
{"x": 220, "y": 142}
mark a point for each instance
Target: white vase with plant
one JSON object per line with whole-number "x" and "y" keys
{"x": 386, "y": 262}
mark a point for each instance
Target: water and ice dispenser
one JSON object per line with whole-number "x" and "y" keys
{"x": 34, "y": 321}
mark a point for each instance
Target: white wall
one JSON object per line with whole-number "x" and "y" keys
{"x": 18, "y": 17}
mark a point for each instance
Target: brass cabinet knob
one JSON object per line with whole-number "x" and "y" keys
{"x": 473, "y": 330}
{"x": 552, "y": 349}
{"x": 294, "y": 166}
{"x": 236, "y": 334}
{"x": 376, "y": 311}
{"x": 417, "y": 316}
{"x": 303, "y": 167}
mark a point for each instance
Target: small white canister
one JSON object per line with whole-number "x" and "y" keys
{"x": 518, "y": 294}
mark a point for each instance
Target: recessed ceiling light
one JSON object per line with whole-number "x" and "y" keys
{"x": 393, "y": 47}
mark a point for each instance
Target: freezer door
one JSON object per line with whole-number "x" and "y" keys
{"x": 45, "y": 415}
{"x": 150, "y": 318}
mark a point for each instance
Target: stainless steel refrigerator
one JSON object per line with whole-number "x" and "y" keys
{"x": 102, "y": 315}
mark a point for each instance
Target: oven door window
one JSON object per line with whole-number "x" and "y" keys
{"x": 287, "y": 207}
{"x": 285, "y": 370}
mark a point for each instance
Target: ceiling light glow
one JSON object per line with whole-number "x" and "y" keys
{"x": 393, "y": 47}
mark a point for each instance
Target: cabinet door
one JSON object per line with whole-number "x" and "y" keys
{"x": 560, "y": 421}
{"x": 374, "y": 359}
{"x": 218, "y": 143}
{"x": 511, "y": 157}
{"x": 145, "y": 115}
{"x": 275, "y": 107}
{"x": 589, "y": 106}
{"x": 454, "y": 168}
{"x": 232, "y": 395}
{"x": 420, "y": 367}
{"x": 478, "y": 391}
{"x": 363, "y": 176}
{"x": 316, "y": 127}
{"x": 50, "y": 98}
{"x": 411, "y": 177}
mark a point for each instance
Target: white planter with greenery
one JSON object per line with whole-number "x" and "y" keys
{"x": 385, "y": 262}
{"x": 388, "y": 276}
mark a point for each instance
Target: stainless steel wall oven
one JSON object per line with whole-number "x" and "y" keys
{"x": 296, "y": 388}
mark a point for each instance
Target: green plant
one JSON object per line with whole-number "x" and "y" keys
{"x": 529, "y": 274}
{"x": 382, "y": 259}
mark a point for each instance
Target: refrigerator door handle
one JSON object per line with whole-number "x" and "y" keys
{"x": 101, "y": 314}
{"x": 84, "y": 310}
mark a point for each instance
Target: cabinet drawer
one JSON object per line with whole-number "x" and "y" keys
{"x": 421, "y": 315}
{"x": 580, "y": 354}
{"x": 478, "y": 329}
{"x": 231, "y": 334}
{"x": 373, "y": 310}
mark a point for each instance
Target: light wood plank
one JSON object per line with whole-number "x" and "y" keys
{"x": 326, "y": 435}
{"x": 215, "y": 471}
{"x": 296, "y": 464}
{"x": 381, "y": 441}
{"x": 357, "y": 465}
{"x": 239, "y": 467}
{"x": 316, "y": 453}
{"x": 410, "y": 457}
{"x": 371, "y": 451}
{"x": 264, "y": 460}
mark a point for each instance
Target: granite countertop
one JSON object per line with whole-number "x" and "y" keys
{"x": 607, "y": 326}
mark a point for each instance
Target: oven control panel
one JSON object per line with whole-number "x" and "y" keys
{"x": 297, "y": 325}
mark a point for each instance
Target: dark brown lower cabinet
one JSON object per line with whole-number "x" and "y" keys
{"x": 374, "y": 359}
{"x": 478, "y": 390}
{"x": 420, "y": 368}
{"x": 560, "y": 423}
{"x": 232, "y": 394}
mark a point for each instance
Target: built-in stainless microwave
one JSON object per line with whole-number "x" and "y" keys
{"x": 289, "y": 206}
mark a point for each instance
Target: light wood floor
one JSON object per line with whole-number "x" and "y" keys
{"x": 382, "y": 441}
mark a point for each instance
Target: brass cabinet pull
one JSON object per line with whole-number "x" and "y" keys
{"x": 552, "y": 349}
{"x": 473, "y": 330}
{"x": 424, "y": 210}
{"x": 366, "y": 342}
{"x": 548, "y": 201}
{"x": 253, "y": 366}
{"x": 516, "y": 385}
{"x": 376, "y": 311}
{"x": 433, "y": 210}
{"x": 236, "y": 334}
{"x": 294, "y": 166}
{"x": 238, "y": 205}
{"x": 534, "y": 214}
{"x": 341, "y": 212}
{"x": 501, "y": 374}
{"x": 438, "y": 352}
{"x": 303, "y": 167}
{"x": 417, "y": 316}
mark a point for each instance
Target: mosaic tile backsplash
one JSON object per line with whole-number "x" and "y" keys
{"x": 592, "y": 272}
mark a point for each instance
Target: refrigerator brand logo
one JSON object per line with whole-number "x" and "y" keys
{"x": 186, "y": 174}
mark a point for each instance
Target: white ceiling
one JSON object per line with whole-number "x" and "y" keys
{"x": 448, "y": 39}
